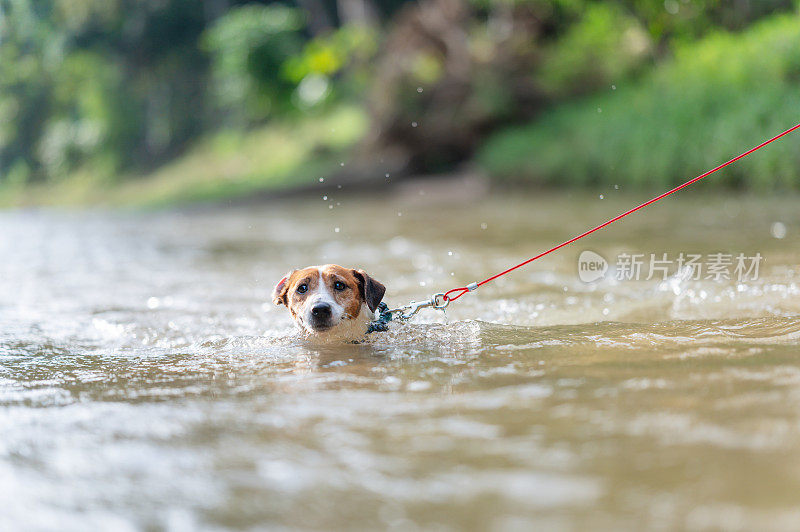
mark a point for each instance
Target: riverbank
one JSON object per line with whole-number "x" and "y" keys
{"x": 276, "y": 157}
{"x": 715, "y": 98}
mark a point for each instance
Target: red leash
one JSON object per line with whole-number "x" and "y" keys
{"x": 469, "y": 288}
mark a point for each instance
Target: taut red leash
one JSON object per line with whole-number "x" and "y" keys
{"x": 447, "y": 297}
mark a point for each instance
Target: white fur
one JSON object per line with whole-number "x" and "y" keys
{"x": 320, "y": 294}
{"x": 348, "y": 329}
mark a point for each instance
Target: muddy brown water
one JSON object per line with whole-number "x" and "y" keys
{"x": 148, "y": 383}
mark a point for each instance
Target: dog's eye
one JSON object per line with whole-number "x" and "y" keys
{"x": 338, "y": 285}
{"x": 302, "y": 289}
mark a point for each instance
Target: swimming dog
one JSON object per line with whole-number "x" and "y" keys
{"x": 330, "y": 302}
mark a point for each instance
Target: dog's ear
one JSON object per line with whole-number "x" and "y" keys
{"x": 371, "y": 290}
{"x": 279, "y": 292}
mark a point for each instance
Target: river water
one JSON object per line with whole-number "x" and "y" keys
{"x": 147, "y": 381}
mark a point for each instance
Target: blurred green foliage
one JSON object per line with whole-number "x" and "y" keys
{"x": 689, "y": 19}
{"x": 716, "y": 98}
{"x": 117, "y": 89}
{"x": 283, "y": 153}
{"x": 452, "y": 72}
{"x": 109, "y": 85}
{"x": 605, "y": 43}
{"x": 247, "y": 47}
{"x": 100, "y": 83}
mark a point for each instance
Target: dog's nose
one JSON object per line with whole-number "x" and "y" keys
{"x": 323, "y": 310}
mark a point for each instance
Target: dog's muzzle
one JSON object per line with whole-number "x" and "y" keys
{"x": 321, "y": 317}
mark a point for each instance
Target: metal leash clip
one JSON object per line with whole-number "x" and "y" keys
{"x": 437, "y": 301}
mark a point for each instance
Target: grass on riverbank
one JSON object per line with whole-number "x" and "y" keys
{"x": 715, "y": 99}
{"x": 275, "y": 157}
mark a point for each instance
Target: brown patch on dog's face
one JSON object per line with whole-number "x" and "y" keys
{"x": 293, "y": 289}
{"x": 344, "y": 288}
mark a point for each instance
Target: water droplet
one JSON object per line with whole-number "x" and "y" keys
{"x": 778, "y": 230}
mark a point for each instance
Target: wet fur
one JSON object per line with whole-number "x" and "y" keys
{"x": 352, "y": 309}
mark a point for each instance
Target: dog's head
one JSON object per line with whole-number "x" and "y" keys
{"x": 330, "y": 301}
